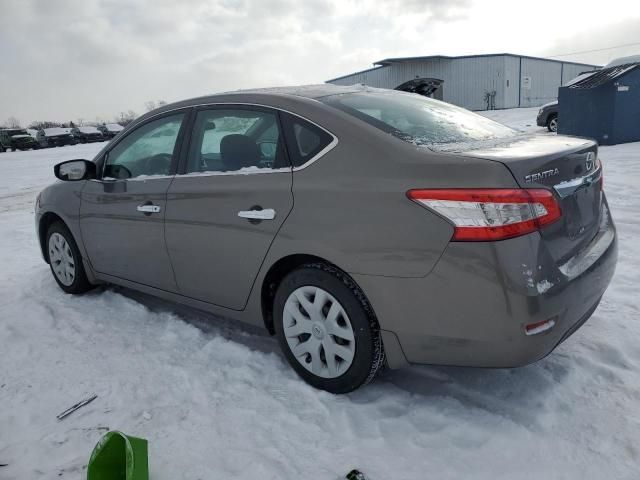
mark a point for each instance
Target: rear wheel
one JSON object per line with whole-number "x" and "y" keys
{"x": 552, "y": 123}
{"x": 327, "y": 329}
{"x": 65, "y": 260}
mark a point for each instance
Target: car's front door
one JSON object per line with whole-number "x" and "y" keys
{"x": 122, "y": 213}
{"x": 225, "y": 207}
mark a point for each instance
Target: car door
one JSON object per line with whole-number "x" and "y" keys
{"x": 122, "y": 213}
{"x": 226, "y": 206}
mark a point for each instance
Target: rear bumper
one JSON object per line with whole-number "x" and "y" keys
{"x": 472, "y": 308}
{"x": 53, "y": 141}
{"x": 91, "y": 139}
{"x": 26, "y": 145}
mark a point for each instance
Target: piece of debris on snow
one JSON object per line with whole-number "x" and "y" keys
{"x": 75, "y": 407}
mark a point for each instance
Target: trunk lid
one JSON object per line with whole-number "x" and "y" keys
{"x": 568, "y": 166}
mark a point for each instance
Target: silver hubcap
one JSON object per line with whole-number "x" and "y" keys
{"x": 553, "y": 124}
{"x": 61, "y": 259}
{"x": 318, "y": 332}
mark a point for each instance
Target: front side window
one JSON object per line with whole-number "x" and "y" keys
{"x": 236, "y": 140}
{"x": 417, "y": 119}
{"x": 148, "y": 150}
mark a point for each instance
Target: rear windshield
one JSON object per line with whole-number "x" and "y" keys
{"x": 417, "y": 119}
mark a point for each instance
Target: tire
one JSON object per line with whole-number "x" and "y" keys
{"x": 318, "y": 282}
{"x": 59, "y": 255}
{"x": 552, "y": 123}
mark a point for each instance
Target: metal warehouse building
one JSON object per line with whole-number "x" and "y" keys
{"x": 476, "y": 82}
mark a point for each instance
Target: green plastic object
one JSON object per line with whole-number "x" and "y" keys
{"x": 119, "y": 457}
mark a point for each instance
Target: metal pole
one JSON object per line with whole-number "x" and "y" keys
{"x": 520, "y": 83}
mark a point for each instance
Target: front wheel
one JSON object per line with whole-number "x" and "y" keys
{"x": 552, "y": 123}
{"x": 65, "y": 260}
{"x": 327, "y": 329}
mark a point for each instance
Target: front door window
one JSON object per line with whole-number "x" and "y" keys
{"x": 148, "y": 151}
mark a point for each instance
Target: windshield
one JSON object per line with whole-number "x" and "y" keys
{"x": 13, "y": 133}
{"x": 417, "y": 119}
{"x": 88, "y": 129}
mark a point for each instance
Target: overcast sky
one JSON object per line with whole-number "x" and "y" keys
{"x": 66, "y": 59}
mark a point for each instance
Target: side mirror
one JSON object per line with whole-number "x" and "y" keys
{"x": 74, "y": 170}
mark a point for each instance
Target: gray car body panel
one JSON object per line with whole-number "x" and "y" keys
{"x": 436, "y": 302}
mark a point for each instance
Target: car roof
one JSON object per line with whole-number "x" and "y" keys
{"x": 268, "y": 96}
{"x": 303, "y": 91}
{"x": 306, "y": 91}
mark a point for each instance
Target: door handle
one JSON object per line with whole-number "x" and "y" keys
{"x": 266, "y": 214}
{"x": 148, "y": 208}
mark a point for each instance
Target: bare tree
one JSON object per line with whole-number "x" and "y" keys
{"x": 152, "y": 104}
{"x": 44, "y": 124}
{"x": 13, "y": 122}
{"x": 127, "y": 117}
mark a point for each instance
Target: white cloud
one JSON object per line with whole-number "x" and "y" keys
{"x": 86, "y": 58}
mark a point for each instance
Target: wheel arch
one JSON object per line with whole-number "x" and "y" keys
{"x": 274, "y": 276}
{"x": 47, "y": 219}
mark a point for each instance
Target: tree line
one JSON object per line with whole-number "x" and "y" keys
{"x": 123, "y": 118}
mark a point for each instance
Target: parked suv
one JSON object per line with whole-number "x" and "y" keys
{"x": 110, "y": 130}
{"x": 87, "y": 134}
{"x": 55, "y": 137}
{"x": 16, "y": 139}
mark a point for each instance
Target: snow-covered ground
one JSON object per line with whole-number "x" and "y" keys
{"x": 217, "y": 401}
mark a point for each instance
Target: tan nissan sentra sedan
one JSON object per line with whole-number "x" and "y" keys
{"x": 362, "y": 227}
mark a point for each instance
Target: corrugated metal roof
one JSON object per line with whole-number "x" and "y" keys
{"x": 604, "y": 76}
{"x": 356, "y": 73}
{"x": 387, "y": 61}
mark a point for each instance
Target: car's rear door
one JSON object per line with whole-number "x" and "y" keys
{"x": 227, "y": 204}
{"x": 122, "y": 213}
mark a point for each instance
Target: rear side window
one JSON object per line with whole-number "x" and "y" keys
{"x": 236, "y": 140}
{"x": 304, "y": 139}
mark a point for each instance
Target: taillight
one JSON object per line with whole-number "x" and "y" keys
{"x": 491, "y": 214}
{"x": 601, "y": 174}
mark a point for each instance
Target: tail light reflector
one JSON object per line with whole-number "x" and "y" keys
{"x": 539, "y": 327}
{"x": 491, "y": 214}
